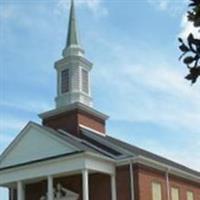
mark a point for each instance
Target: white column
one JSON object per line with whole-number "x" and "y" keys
{"x": 85, "y": 184}
{"x": 50, "y": 188}
{"x": 113, "y": 187}
{"x": 167, "y": 184}
{"x": 11, "y": 194}
{"x": 132, "y": 181}
{"x": 20, "y": 191}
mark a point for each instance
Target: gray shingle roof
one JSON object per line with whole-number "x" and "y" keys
{"x": 129, "y": 150}
{"x": 113, "y": 148}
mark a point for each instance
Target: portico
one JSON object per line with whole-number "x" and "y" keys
{"x": 80, "y": 166}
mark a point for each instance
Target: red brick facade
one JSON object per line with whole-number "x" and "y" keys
{"x": 143, "y": 178}
{"x": 147, "y": 175}
{"x": 123, "y": 183}
{"x": 100, "y": 186}
{"x": 71, "y": 121}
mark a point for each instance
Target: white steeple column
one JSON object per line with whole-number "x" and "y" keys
{"x": 73, "y": 70}
{"x": 113, "y": 187}
{"x": 20, "y": 191}
{"x": 85, "y": 184}
{"x": 50, "y": 188}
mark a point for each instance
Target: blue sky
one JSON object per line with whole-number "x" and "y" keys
{"x": 137, "y": 79}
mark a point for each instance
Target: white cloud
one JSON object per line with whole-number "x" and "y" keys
{"x": 96, "y": 6}
{"x": 174, "y": 154}
{"x": 160, "y": 4}
{"x": 153, "y": 90}
{"x": 5, "y": 141}
{"x": 32, "y": 106}
{"x": 6, "y": 11}
{"x": 10, "y": 123}
{"x": 174, "y": 7}
{"x": 187, "y": 28}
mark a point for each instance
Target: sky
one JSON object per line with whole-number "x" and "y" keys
{"x": 137, "y": 78}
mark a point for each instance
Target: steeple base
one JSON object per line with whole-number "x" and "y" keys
{"x": 73, "y": 97}
{"x": 71, "y": 118}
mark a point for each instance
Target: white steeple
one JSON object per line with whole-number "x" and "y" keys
{"x": 73, "y": 70}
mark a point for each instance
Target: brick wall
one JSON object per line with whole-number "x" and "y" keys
{"x": 143, "y": 178}
{"x": 35, "y": 191}
{"x": 147, "y": 175}
{"x": 123, "y": 182}
{"x": 100, "y": 187}
{"x": 70, "y": 122}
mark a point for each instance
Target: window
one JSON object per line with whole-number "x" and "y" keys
{"x": 174, "y": 193}
{"x": 85, "y": 81}
{"x": 156, "y": 191}
{"x": 65, "y": 81}
{"x": 190, "y": 196}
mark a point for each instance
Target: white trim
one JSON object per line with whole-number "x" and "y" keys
{"x": 73, "y": 106}
{"x": 160, "y": 166}
{"x": 29, "y": 126}
{"x": 73, "y": 59}
{"x": 93, "y": 130}
{"x": 70, "y": 164}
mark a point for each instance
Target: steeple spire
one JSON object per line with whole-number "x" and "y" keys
{"x": 72, "y": 38}
{"x": 73, "y": 43}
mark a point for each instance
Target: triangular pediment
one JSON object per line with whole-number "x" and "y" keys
{"x": 34, "y": 143}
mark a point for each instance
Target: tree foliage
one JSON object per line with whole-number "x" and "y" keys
{"x": 191, "y": 48}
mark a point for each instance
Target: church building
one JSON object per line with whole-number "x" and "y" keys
{"x": 70, "y": 156}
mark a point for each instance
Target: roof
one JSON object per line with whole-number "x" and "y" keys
{"x": 120, "y": 149}
{"x": 107, "y": 146}
{"x": 117, "y": 149}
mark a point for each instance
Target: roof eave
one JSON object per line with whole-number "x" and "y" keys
{"x": 161, "y": 167}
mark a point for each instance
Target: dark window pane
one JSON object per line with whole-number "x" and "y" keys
{"x": 65, "y": 81}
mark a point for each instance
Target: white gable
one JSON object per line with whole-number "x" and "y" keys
{"x": 34, "y": 143}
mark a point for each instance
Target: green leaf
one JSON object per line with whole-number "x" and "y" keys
{"x": 183, "y": 48}
{"x": 188, "y": 60}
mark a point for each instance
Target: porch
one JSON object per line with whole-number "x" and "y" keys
{"x": 85, "y": 175}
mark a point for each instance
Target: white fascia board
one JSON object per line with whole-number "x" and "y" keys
{"x": 54, "y": 167}
{"x": 100, "y": 164}
{"x": 17, "y": 138}
{"x": 168, "y": 168}
{"x": 92, "y": 130}
{"x": 48, "y": 133}
{"x": 71, "y": 107}
{"x": 159, "y": 166}
{"x": 41, "y": 169}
